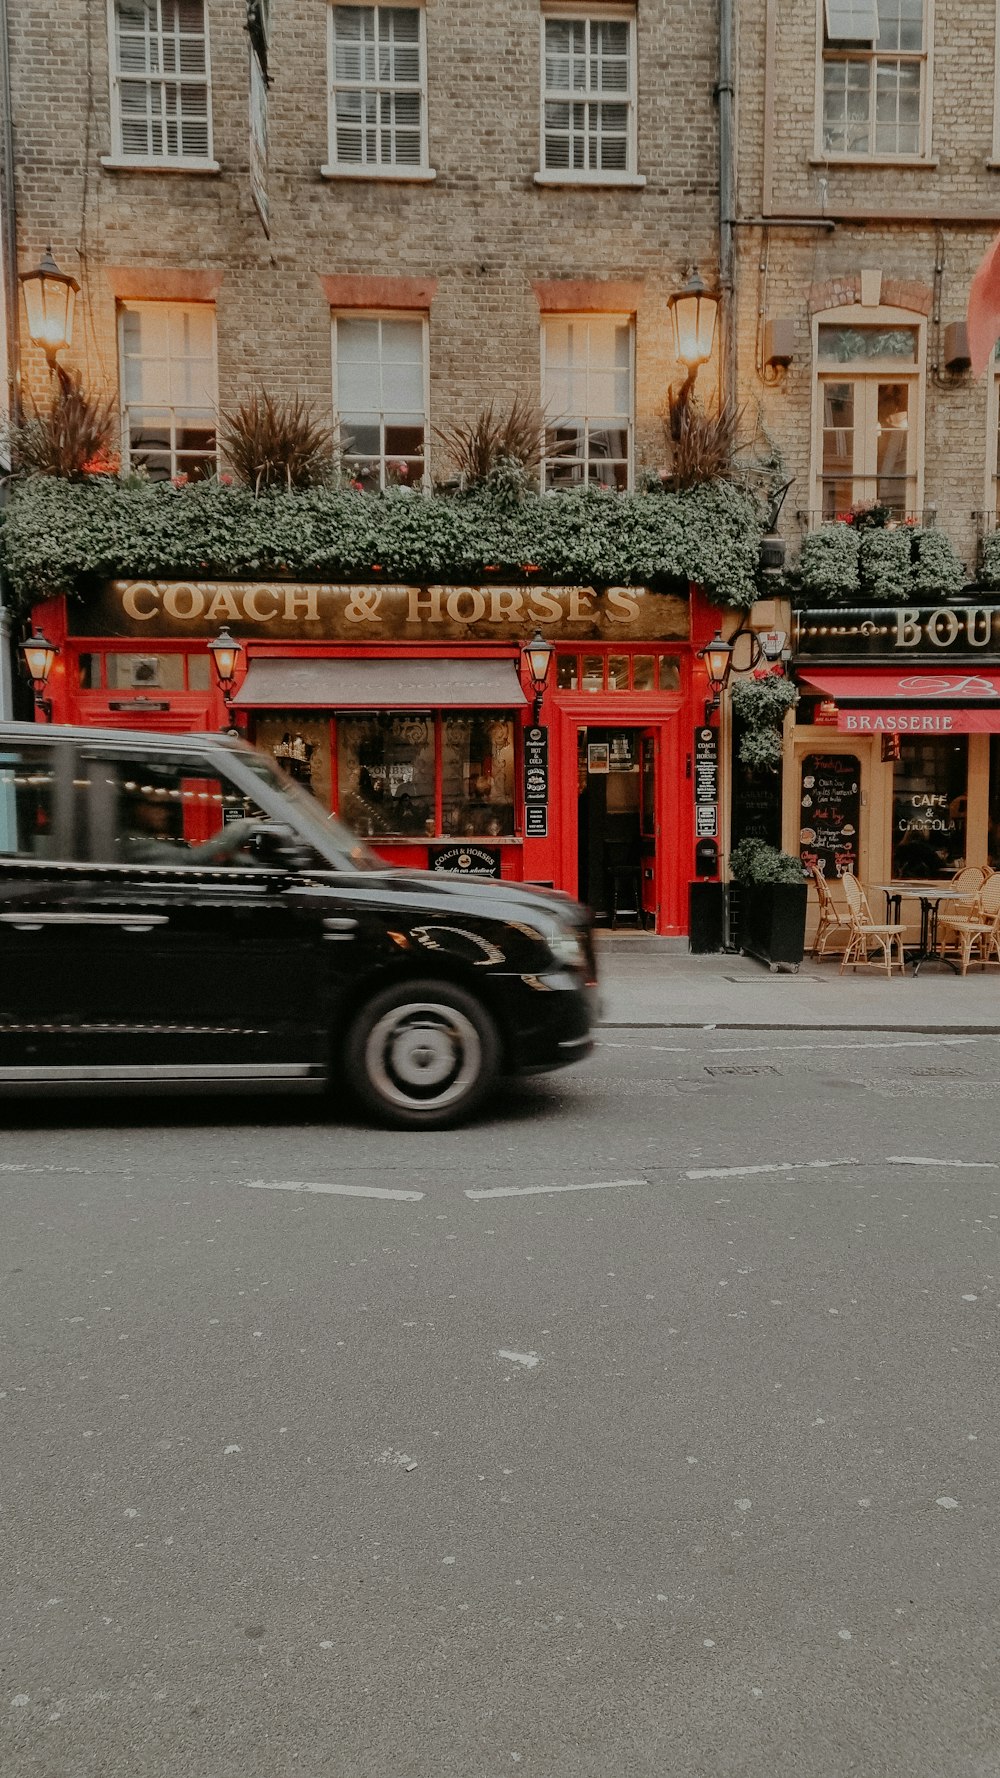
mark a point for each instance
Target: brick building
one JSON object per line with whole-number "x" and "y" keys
{"x": 399, "y": 212}
{"x": 869, "y": 154}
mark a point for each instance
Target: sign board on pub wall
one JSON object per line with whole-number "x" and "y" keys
{"x": 465, "y": 861}
{"x": 706, "y": 783}
{"x": 317, "y": 611}
{"x": 899, "y": 633}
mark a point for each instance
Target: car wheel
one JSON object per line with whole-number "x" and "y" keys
{"x": 422, "y": 1054}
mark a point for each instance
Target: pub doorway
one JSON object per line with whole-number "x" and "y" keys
{"x": 616, "y": 825}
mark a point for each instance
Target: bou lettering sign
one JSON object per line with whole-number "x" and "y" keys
{"x": 924, "y": 632}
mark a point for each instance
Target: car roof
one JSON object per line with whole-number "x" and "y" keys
{"x": 150, "y": 740}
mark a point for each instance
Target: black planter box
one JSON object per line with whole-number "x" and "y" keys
{"x": 773, "y": 923}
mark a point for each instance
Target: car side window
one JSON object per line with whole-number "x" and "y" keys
{"x": 28, "y": 827}
{"x": 172, "y": 810}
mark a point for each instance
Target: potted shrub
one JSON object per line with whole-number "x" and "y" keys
{"x": 773, "y": 899}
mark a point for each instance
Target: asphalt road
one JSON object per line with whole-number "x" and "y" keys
{"x": 690, "y": 1473}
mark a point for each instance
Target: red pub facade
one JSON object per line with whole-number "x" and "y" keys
{"x": 409, "y": 710}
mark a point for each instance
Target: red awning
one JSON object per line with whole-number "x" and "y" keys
{"x": 912, "y": 685}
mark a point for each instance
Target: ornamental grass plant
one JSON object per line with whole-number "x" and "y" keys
{"x": 277, "y": 444}
{"x": 72, "y": 438}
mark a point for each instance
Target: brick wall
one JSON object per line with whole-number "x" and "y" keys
{"x": 483, "y": 229}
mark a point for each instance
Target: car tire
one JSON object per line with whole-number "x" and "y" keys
{"x": 422, "y": 1055}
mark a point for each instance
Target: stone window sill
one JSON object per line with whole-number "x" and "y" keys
{"x": 399, "y": 175}
{"x": 591, "y": 181}
{"x": 113, "y": 163}
{"x": 920, "y": 163}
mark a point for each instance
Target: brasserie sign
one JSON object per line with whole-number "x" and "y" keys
{"x": 893, "y": 633}
{"x": 334, "y": 612}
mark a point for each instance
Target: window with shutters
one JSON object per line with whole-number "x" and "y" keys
{"x": 868, "y": 413}
{"x": 169, "y": 388}
{"x": 380, "y": 368}
{"x": 378, "y": 99}
{"x": 161, "y": 82}
{"x": 588, "y": 96}
{"x": 874, "y": 79}
{"x": 587, "y": 397}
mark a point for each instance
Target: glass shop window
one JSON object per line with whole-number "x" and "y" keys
{"x": 89, "y": 672}
{"x": 301, "y": 746}
{"x": 385, "y": 773}
{"x": 144, "y": 672}
{"x": 567, "y": 672}
{"x": 477, "y": 774}
{"x": 199, "y": 672}
{"x": 670, "y": 673}
{"x": 929, "y": 806}
{"x": 644, "y": 672}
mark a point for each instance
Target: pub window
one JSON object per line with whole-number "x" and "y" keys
{"x": 300, "y": 743}
{"x": 381, "y": 398}
{"x": 587, "y": 396}
{"x": 378, "y": 96}
{"x": 385, "y": 773}
{"x": 169, "y": 389}
{"x": 199, "y": 672}
{"x": 636, "y": 672}
{"x": 89, "y": 672}
{"x": 477, "y": 775}
{"x": 868, "y": 416}
{"x": 929, "y": 806}
{"x": 141, "y": 672}
{"x": 161, "y": 83}
{"x": 874, "y": 79}
{"x": 567, "y": 672}
{"x": 589, "y": 85}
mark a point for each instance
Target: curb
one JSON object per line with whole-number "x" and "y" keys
{"x": 783, "y": 1025}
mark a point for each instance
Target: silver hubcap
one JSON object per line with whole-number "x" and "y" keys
{"x": 423, "y": 1055}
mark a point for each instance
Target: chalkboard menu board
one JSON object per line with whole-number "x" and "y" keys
{"x": 830, "y": 812}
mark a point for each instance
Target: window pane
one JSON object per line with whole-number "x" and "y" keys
{"x": 89, "y": 672}
{"x": 301, "y": 745}
{"x": 644, "y": 672}
{"x": 567, "y": 666}
{"x": 27, "y": 807}
{"x": 929, "y": 798}
{"x": 670, "y": 673}
{"x": 618, "y": 672}
{"x": 477, "y": 775}
{"x": 159, "y": 672}
{"x": 199, "y": 672}
{"x": 385, "y": 771}
{"x": 593, "y": 672}
{"x": 847, "y": 344}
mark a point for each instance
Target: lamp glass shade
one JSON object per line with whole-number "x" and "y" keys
{"x": 694, "y": 313}
{"x": 538, "y": 653}
{"x": 39, "y": 653}
{"x": 50, "y": 301}
{"x": 225, "y": 652}
{"x": 717, "y": 656}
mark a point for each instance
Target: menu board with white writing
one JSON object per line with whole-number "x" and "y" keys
{"x": 830, "y": 812}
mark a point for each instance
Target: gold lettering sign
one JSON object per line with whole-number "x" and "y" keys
{"x": 322, "y": 611}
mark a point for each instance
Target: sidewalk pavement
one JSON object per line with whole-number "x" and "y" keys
{"x": 667, "y": 986}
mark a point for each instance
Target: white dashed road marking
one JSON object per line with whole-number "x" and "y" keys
{"x": 332, "y": 1190}
{"x": 534, "y": 1191}
{"x": 763, "y": 1167}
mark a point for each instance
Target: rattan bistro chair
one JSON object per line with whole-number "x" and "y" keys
{"x": 978, "y": 930}
{"x": 968, "y": 882}
{"x": 865, "y": 933}
{"x": 832, "y": 919}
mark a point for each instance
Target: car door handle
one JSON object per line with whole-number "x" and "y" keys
{"x": 338, "y": 928}
{"x": 31, "y": 922}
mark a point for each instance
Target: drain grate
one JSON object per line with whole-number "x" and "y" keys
{"x": 745, "y": 1068}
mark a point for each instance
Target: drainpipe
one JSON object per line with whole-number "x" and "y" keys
{"x": 727, "y": 196}
{"x": 9, "y": 256}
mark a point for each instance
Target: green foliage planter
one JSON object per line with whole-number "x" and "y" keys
{"x": 773, "y": 896}
{"x": 843, "y": 564}
{"x": 760, "y": 706}
{"x": 64, "y": 537}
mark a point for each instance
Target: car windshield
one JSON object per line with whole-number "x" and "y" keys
{"x": 326, "y": 831}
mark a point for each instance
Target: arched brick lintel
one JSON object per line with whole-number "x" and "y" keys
{"x": 897, "y": 293}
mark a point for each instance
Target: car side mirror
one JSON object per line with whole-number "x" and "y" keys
{"x": 277, "y": 845}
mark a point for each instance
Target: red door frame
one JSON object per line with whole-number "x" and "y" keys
{"x": 674, "y": 851}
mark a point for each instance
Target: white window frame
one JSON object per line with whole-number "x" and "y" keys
{"x": 871, "y": 370}
{"x": 630, "y": 175}
{"x": 858, "y": 157}
{"x": 172, "y": 163}
{"x": 338, "y": 315}
{"x": 124, "y": 404}
{"x": 590, "y": 315}
{"x": 336, "y": 169}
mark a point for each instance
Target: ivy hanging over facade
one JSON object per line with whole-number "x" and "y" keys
{"x": 62, "y": 537}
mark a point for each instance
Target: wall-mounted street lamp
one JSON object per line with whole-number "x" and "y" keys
{"x": 694, "y": 312}
{"x": 50, "y": 300}
{"x": 538, "y": 654}
{"x": 226, "y": 653}
{"x": 718, "y": 658}
{"x": 38, "y": 654}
